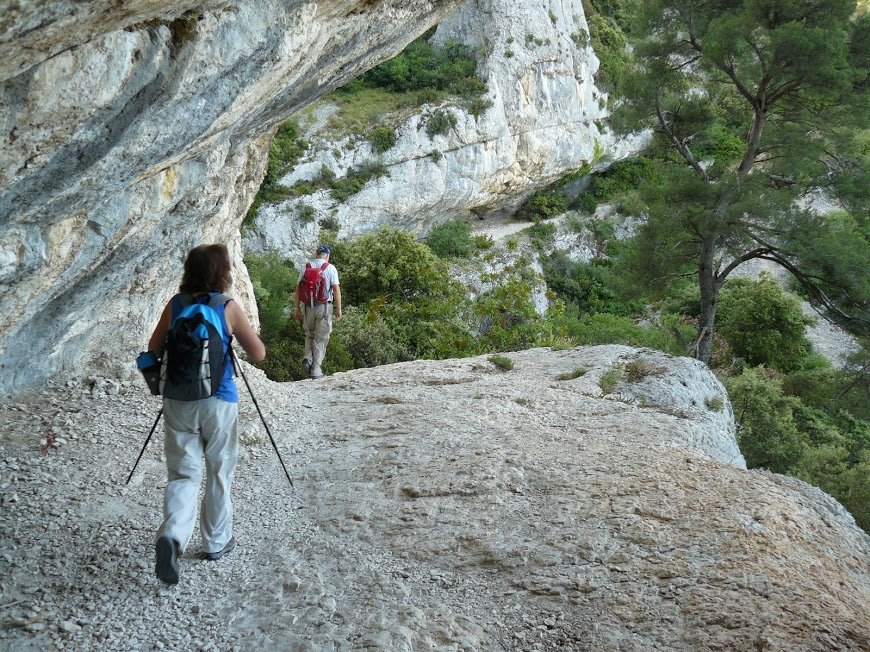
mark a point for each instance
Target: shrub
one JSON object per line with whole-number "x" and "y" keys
{"x": 357, "y": 177}
{"x": 478, "y": 105}
{"x": 571, "y": 375}
{"x": 766, "y": 430}
{"x": 440, "y": 122}
{"x": 546, "y": 203}
{"x": 388, "y": 264}
{"x": 502, "y": 362}
{"x": 382, "y": 138}
{"x": 637, "y": 370}
{"x": 306, "y": 213}
{"x": 610, "y": 379}
{"x": 368, "y": 339}
{"x": 285, "y": 150}
{"x": 274, "y": 280}
{"x": 585, "y": 202}
{"x": 762, "y": 324}
{"x": 451, "y": 239}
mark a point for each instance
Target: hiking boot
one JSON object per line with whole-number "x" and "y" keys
{"x": 166, "y": 567}
{"x": 317, "y": 373}
{"x": 214, "y": 556}
{"x": 306, "y": 366}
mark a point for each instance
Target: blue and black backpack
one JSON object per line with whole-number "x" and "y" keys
{"x": 195, "y": 354}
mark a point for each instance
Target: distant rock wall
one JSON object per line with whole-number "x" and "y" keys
{"x": 545, "y": 121}
{"x": 130, "y": 132}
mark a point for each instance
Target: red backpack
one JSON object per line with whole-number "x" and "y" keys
{"x": 313, "y": 287}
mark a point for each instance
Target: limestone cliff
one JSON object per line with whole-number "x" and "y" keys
{"x": 130, "y": 132}
{"x": 546, "y": 120}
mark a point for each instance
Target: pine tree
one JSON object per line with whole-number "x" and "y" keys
{"x": 753, "y": 104}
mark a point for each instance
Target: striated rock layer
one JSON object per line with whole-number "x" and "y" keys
{"x": 130, "y": 132}
{"x": 445, "y": 505}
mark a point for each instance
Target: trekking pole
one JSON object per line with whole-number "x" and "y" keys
{"x": 238, "y": 367}
{"x": 153, "y": 428}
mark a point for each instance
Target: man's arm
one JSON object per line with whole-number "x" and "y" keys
{"x": 336, "y": 299}
{"x": 297, "y": 311}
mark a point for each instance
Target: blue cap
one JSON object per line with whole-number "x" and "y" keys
{"x": 323, "y": 249}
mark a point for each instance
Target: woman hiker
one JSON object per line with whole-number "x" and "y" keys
{"x": 207, "y": 427}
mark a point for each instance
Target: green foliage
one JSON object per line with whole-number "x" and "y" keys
{"x": 786, "y": 434}
{"x": 307, "y": 213}
{"x": 767, "y": 431}
{"x": 502, "y": 362}
{"x": 388, "y": 265}
{"x": 382, "y": 138}
{"x": 546, "y": 203}
{"x": 285, "y": 150}
{"x": 478, "y": 105}
{"x": 610, "y": 379}
{"x": 762, "y": 324}
{"x": 440, "y": 122}
{"x": 606, "y": 32}
{"x": 571, "y": 375}
{"x": 637, "y": 370}
{"x": 731, "y": 107}
{"x": 357, "y": 177}
{"x": 368, "y": 339}
{"x": 423, "y": 66}
{"x": 274, "y": 280}
{"x": 600, "y": 328}
{"x": 451, "y": 239}
{"x": 836, "y": 248}
{"x": 594, "y": 287}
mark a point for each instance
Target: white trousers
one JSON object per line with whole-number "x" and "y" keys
{"x": 197, "y": 429}
{"x": 317, "y": 322}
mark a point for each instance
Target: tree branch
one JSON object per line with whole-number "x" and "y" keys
{"x": 681, "y": 148}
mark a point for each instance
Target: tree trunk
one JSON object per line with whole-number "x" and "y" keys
{"x": 709, "y": 298}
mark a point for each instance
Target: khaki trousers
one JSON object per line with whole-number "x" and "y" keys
{"x": 317, "y": 322}
{"x": 197, "y": 429}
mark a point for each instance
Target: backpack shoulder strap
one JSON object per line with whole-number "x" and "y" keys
{"x": 218, "y": 300}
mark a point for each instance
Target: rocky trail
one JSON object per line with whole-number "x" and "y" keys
{"x": 443, "y": 506}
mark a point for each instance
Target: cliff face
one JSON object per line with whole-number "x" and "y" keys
{"x": 545, "y": 121}
{"x": 131, "y": 132}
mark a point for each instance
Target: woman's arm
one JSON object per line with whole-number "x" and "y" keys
{"x": 158, "y": 337}
{"x": 241, "y": 329}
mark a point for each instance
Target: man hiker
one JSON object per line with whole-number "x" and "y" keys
{"x": 317, "y": 290}
{"x": 201, "y": 415}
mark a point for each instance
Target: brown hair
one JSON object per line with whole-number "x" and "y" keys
{"x": 207, "y": 269}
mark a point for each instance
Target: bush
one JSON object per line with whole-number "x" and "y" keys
{"x": 451, "y": 239}
{"x": 440, "y": 123}
{"x": 546, "y": 203}
{"x": 502, "y": 362}
{"x": 389, "y": 264}
{"x": 766, "y": 430}
{"x": 357, "y": 177}
{"x": 368, "y": 339}
{"x": 604, "y": 328}
{"x": 382, "y": 138}
{"x": 285, "y": 150}
{"x": 762, "y": 324}
{"x": 274, "y": 281}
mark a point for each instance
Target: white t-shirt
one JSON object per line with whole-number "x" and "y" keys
{"x": 330, "y": 274}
